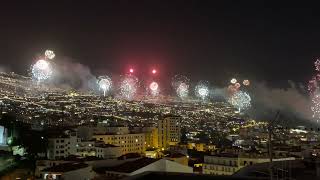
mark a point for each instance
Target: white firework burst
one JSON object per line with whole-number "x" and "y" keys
{"x": 105, "y": 84}
{"x": 154, "y": 88}
{"x": 181, "y": 85}
{"x": 246, "y": 82}
{"x": 128, "y": 87}
{"x": 233, "y": 81}
{"x": 202, "y": 90}
{"x": 41, "y": 70}
{"x": 183, "y": 90}
{"x": 49, "y": 54}
{"x": 240, "y": 100}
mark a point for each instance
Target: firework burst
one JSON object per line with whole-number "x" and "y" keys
{"x": 246, "y": 82}
{"x": 233, "y": 81}
{"x": 154, "y": 88}
{"x": 105, "y": 84}
{"x": 41, "y": 70}
{"x": 202, "y": 90}
{"x": 181, "y": 85}
{"x": 128, "y": 87}
{"x": 49, "y": 54}
{"x": 240, "y": 100}
{"x": 314, "y": 91}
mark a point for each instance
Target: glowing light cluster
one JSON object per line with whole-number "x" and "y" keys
{"x": 233, "y": 81}
{"x": 316, "y": 106}
{"x": 181, "y": 85}
{"x": 49, "y": 54}
{"x": 105, "y": 84}
{"x": 41, "y": 70}
{"x": 154, "y": 88}
{"x": 317, "y": 64}
{"x": 313, "y": 87}
{"x": 128, "y": 87}
{"x": 240, "y": 100}
{"x": 202, "y": 90}
{"x": 246, "y": 82}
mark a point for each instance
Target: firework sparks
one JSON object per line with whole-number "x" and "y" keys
{"x": 202, "y": 90}
{"x": 49, "y": 54}
{"x": 41, "y": 70}
{"x": 240, "y": 100}
{"x": 105, "y": 84}
{"x": 317, "y": 64}
{"x": 183, "y": 90}
{"x": 246, "y": 82}
{"x": 233, "y": 81}
{"x": 314, "y": 91}
{"x": 154, "y": 88}
{"x": 128, "y": 87}
{"x": 316, "y": 106}
{"x": 181, "y": 85}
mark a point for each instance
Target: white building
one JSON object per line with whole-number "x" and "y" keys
{"x": 143, "y": 165}
{"x": 69, "y": 144}
{"x": 228, "y": 164}
{"x": 63, "y": 145}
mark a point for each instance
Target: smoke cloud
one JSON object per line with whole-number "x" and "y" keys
{"x": 70, "y": 74}
{"x": 292, "y": 102}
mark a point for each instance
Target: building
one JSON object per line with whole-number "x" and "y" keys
{"x": 129, "y": 143}
{"x": 63, "y": 145}
{"x": 141, "y": 165}
{"x": 107, "y": 151}
{"x": 177, "y": 157}
{"x": 169, "y": 131}
{"x": 68, "y": 171}
{"x": 151, "y": 137}
{"x": 228, "y": 164}
{"x": 98, "y": 149}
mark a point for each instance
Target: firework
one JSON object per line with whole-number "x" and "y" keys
{"x": 246, "y": 82}
{"x": 49, "y": 54}
{"x": 183, "y": 90}
{"x": 181, "y": 86}
{"x": 313, "y": 87}
{"x": 154, "y": 88}
{"x": 240, "y": 100}
{"x": 105, "y": 84}
{"x": 154, "y": 71}
{"x": 316, "y": 106}
{"x": 202, "y": 90}
{"x": 128, "y": 87}
{"x": 317, "y": 65}
{"x": 131, "y": 70}
{"x": 233, "y": 81}
{"x": 41, "y": 70}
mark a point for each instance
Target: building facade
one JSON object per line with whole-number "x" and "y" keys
{"x": 129, "y": 143}
{"x": 228, "y": 164}
{"x": 169, "y": 131}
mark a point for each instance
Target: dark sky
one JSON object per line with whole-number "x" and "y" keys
{"x": 201, "y": 39}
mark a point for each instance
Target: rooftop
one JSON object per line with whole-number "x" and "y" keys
{"x": 130, "y": 166}
{"x": 66, "y": 167}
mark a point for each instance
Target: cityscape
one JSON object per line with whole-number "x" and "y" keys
{"x": 66, "y": 113}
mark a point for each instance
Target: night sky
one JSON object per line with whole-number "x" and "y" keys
{"x": 200, "y": 39}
